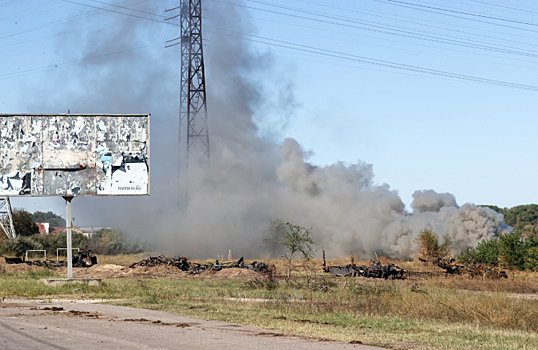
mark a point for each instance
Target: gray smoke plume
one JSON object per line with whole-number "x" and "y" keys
{"x": 429, "y": 200}
{"x": 254, "y": 177}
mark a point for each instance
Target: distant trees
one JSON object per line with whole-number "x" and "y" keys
{"x": 53, "y": 219}
{"x": 524, "y": 218}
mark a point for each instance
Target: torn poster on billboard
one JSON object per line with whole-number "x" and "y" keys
{"x": 74, "y": 155}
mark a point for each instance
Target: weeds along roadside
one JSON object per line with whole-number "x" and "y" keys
{"x": 436, "y": 300}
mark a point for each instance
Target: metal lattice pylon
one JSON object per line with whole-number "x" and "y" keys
{"x": 193, "y": 108}
{"x": 6, "y": 217}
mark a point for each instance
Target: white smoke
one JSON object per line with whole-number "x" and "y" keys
{"x": 252, "y": 180}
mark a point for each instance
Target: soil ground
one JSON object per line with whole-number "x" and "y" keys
{"x": 118, "y": 271}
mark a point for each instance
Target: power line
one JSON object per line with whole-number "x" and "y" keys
{"x": 505, "y": 7}
{"x": 383, "y": 63}
{"x": 447, "y": 12}
{"x": 503, "y": 19}
{"x": 347, "y": 9}
{"x": 34, "y": 70}
{"x": 127, "y": 8}
{"x": 320, "y": 52}
{"x": 391, "y": 47}
{"x": 119, "y": 12}
{"x": 391, "y": 31}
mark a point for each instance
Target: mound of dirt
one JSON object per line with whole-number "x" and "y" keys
{"x": 161, "y": 271}
{"x": 20, "y": 268}
{"x": 232, "y": 273}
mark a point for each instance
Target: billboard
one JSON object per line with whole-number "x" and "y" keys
{"x": 74, "y": 154}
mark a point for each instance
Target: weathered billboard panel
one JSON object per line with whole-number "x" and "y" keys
{"x": 74, "y": 155}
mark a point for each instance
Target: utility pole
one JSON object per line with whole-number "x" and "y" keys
{"x": 6, "y": 218}
{"x": 193, "y": 130}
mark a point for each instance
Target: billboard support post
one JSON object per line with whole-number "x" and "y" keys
{"x": 68, "y": 228}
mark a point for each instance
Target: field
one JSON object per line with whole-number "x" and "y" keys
{"x": 428, "y": 310}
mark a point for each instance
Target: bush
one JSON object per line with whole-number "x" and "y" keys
{"x": 52, "y": 242}
{"x": 21, "y": 244}
{"x": 3, "y": 240}
{"x": 531, "y": 258}
{"x": 487, "y": 251}
{"x": 509, "y": 250}
{"x": 429, "y": 247}
{"x": 115, "y": 241}
{"x": 467, "y": 255}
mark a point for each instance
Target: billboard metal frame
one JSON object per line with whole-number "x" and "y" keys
{"x": 78, "y": 154}
{"x": 74, "y": 154}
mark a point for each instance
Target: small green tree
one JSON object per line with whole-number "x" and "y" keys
{"x": 297, "y": 240}
{"x": 429, "y": 247}
{"x": 24, "y": 224}
{"x": 487, "y": 251}
{"x": 531, "y": 255}
{"x": 511, "y": 250}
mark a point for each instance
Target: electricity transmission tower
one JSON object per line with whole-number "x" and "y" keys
{"x": 193, "y": 131}
{"x": 6, "y": 217}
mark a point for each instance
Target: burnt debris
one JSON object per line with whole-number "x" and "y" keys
{"x": 374, "y": 270}
{"x": 472, "y": 271}
{"x": 84, "y": 258}
{"x": 184, "y": 264}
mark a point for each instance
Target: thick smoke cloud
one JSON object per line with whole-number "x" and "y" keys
{"x": 253, "y": 179}
{"x": 429, "y": 200}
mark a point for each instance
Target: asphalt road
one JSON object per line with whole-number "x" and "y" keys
{"x": 58, "y": 325}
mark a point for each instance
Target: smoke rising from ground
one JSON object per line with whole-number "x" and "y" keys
{"x": 255, "y": 177}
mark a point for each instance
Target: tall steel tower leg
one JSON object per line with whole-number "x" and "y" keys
{"x": 193, "y": 130}
{"x": 193, "y": 112}
{"x": 6, "y": 218}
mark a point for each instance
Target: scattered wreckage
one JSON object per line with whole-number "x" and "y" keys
{"x": 84, "y": 258}
{"x": 474, "y": 270}
{"x": 374, "y": 270}
{"x": 184, "y": 264}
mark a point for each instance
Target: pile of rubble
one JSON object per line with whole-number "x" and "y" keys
{"x": 184, "y": 264}
{"x": 14, "y": 261}
{"x": 374, "y": 270}
{"x": 472, "y": 271}
{"x": 84, "y": 258}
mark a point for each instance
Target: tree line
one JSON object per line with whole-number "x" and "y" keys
{"x": 104, "y": 241}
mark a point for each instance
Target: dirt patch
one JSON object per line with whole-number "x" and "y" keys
{"x": 20, "y": 268}
{"x": 231, "y": 273}
{"x": 118, "y": 271}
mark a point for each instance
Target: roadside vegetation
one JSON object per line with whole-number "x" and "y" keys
{"x": 448, "y": 313}
{"x": 428, "y": 310}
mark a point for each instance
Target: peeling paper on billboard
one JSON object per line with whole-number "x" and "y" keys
{"x": 78, "y": 155}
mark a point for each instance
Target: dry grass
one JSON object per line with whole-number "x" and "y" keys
{"x": 124, "y": 259}
{"x": 450, "y": 312}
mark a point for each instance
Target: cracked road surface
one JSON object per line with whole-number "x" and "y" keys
{"x": 28, "y": 325}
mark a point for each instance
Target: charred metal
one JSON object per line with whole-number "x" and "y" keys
{"x": 184, "y": 264}
{"x": 472, "y": 271}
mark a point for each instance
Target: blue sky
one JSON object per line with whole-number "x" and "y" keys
{"x": 420, "y": 131}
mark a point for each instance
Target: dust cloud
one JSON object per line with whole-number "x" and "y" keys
{"x": 255, "y": 177}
